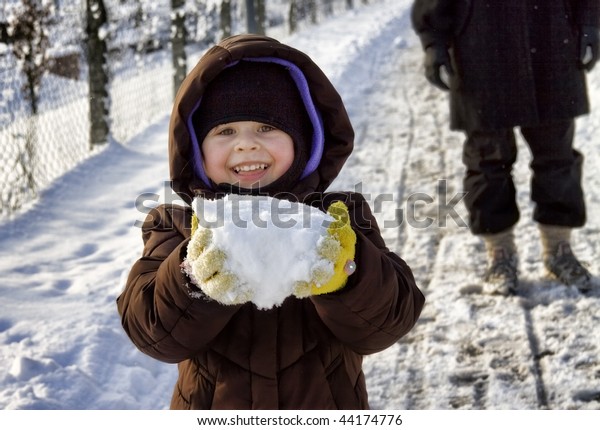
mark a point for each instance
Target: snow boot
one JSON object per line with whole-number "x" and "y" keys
{"x": 566, "y": 268}
{"x": 559, "y": 260}
{"x": 501, "y": 275}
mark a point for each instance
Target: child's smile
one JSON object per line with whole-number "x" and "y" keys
{"x": 250, "y": 168}
{"x": 247, "y": 153}
{"x": 251, "y": 172}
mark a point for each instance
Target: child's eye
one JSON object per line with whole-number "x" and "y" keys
{"x": 264, "y": 128}
{"x": 225, "y": 131}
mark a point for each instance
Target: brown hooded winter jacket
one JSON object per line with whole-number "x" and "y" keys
{"x": 305, "y": 354}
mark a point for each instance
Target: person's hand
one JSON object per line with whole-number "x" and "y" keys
{"x": 204, "y": 265}
{"x": 436, "y": 58}
{"x": 337, "y": 247}
{"x": 589, "y": 46}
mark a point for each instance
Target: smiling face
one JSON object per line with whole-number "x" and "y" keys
{"x": 247, "y": 154}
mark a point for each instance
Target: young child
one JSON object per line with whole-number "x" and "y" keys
{"x": 258, "y": 117}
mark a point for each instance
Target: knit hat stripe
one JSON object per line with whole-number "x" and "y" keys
{"x": 196, "y": 153}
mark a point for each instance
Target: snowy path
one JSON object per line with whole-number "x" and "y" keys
{"x": 62, "y": 264}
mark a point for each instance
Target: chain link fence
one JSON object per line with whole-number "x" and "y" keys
{"x": 37, "y": 149}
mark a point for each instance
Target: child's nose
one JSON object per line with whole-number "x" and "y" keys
{"x": 246, "y": 142}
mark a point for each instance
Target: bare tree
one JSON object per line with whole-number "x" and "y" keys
{"x": 29, "y": 37}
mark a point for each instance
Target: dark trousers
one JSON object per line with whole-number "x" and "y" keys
{"x": 555, "y": 183}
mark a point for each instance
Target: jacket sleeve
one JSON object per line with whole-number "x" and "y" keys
{"x": 381, "y": 301}
{"x": 157, "y": 311}
{"x": 433, "y": 21}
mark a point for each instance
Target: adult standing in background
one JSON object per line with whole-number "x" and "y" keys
{"x": 509, "y": 64}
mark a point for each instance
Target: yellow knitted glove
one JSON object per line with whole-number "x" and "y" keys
{"x": 338, "y": 247}
{"x": 204, "y": 265}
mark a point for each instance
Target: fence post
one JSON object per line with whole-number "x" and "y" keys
{"x": 178, "y": 43}
{"x": 98, "y": 77}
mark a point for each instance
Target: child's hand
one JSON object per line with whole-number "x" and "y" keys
{"x": 338, "y": 246}
{"x": 204, "y": 265}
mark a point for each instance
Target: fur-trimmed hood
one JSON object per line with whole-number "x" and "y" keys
{"x": 332, "y": 143}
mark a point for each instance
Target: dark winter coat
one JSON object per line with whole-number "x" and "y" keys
{"x": 305, "y": 354}
{"x": 515, "y": 62}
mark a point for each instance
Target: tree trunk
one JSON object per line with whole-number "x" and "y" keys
{"x": 293, "y": 15}
{"x": 312, "y": 10}
{"x": 98, "y": 77}
{"x": 226, "y": 18}
{"x": 251, "y": 24}
{"x": 4, "y": 37}
{"x": 178, "y": 43}
{"x": 261, "y": 16}
{"x": 28, "y": 159}
{"x": 328, "y": 7}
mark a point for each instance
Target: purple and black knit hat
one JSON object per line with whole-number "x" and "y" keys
{"x": 267, "y": 90}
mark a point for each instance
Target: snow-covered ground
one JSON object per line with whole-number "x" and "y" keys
{"x": 63, "y": 262}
